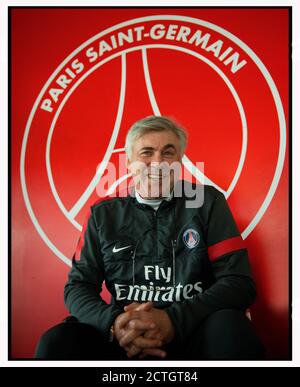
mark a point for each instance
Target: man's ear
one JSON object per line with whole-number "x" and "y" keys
{"x": 128, "y": 163}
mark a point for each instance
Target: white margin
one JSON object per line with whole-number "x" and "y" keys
{"x": 3, "y": 176}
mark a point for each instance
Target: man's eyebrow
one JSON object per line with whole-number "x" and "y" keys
{"x": 146, "y": 148}
{"x": 151, "y": 148}
{"x": 169, "y": 146}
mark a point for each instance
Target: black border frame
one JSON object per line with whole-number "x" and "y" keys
{"x": 289, "y": 160}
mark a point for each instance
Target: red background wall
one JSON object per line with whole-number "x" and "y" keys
{"x": 185, "y": 88}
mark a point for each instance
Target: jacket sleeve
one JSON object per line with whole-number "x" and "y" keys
{"x": 233, "y": 288}
{"x": 82, "y": 290}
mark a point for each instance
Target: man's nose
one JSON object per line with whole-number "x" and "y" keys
{"x": 156, "y": 159}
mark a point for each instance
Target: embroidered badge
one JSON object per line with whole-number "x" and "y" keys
{"x": 191, "y": 238}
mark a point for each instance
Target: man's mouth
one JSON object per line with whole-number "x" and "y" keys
{"x": 151, "y": 176}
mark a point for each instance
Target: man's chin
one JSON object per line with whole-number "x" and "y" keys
{"x": 155, "y": 191}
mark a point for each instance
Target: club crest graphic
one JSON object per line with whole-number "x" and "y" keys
{"x": 172, "y": 65}
{"x": 191, "y": 238}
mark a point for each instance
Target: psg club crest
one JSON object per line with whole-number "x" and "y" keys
{"x": 161, "y": 65}
{"x": 191, "y": 238}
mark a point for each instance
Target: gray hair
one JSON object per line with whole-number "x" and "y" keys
{"x": 154, "y": 124}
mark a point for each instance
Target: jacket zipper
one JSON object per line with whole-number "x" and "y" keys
{"x": 154, "y": 216}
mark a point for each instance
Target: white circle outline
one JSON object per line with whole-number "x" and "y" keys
{"x": 121, "y": 53}
{"x": 230, "y": 36}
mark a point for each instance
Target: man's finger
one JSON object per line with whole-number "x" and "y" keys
{"x": 137, "y": 306}
{"x": 153, "y": 352}
{"x": 131, "y": 306}
{"x": 129, "y": 337}
{"x": 142, "y": 342}
{"x": 152, "y": 334}
{"x": 133, "y": 351}
{"x": 143, "y": 315}
{"x": 132, "y": 334}
{"x": 146, "y": 306}
{"x": 124, "y": 318}
{"x": 141, "y": 325}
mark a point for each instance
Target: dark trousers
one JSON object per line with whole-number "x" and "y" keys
{"x": 224, "y": 335}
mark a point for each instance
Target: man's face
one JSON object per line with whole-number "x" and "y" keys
{"x": 155, "y": 164}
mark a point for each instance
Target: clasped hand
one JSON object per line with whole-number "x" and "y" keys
{"x": 142, "y": 330}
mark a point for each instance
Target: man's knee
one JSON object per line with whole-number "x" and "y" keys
{"x": 50, "y": 341}
{"x": 229, "y": 335}
{"x": 67, "y": 340}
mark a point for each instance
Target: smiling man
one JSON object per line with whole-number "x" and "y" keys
{"x": 154, "y": 160}
{"x": 179, "y": 275}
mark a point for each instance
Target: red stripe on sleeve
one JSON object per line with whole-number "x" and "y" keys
{"x": 225, "y": 247}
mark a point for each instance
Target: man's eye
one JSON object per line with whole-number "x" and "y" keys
{"x": 146, "y": 153}
{"x": 169, "y": 154}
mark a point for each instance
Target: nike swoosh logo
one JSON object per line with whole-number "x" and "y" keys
{"x": 121, "y": 248}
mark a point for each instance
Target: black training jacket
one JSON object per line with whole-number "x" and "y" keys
{"x": 189, "y": 261}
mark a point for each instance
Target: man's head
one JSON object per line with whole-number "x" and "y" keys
{"x": 154, "y": 148}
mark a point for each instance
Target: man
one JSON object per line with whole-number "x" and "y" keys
{"x": 171, "y": 257}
